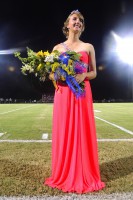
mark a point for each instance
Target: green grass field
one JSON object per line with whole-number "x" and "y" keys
{"x": 24, "y": 166}
{"x": 29, "y": 121}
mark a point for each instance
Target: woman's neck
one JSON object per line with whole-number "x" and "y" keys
{"x": 73, "y": 38}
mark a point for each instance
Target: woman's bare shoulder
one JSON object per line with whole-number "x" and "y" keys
{"x": 58, "y": 47}
{"x": 89, "y": 47}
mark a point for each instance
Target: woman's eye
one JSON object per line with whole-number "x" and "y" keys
{"x": 81, "y": 20}
{"x": 74, "y": 18}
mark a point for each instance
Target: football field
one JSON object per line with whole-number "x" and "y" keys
{"x": 25, "y": 158}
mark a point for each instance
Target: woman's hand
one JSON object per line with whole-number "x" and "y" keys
{"x": 51, "y": 76}
{"x": 80, "y": 77}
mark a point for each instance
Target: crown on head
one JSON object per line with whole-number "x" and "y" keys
{"x": 74, "y": 11}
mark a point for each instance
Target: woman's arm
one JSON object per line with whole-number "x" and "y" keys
{"x": 92, "y": 73}
{"x": 51, "y": 75}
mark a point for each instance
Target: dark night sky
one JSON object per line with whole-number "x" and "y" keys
{"x": 38, "y": 25}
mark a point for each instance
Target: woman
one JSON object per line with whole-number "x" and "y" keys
{"x": 75, "y": 165}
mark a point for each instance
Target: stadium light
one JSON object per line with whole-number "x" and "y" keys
{"x": 124, "y": 50}
{"x": 10, "y": 51}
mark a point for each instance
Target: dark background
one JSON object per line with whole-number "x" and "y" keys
{"x": 38, "y": 25}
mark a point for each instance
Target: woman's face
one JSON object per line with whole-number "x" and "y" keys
{"x": 75, "y": 23}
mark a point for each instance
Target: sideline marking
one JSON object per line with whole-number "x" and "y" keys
{"x": 45, "y": 136}
{"x": 1, "y": 134}
{"x": 47, "y": 141}
{"x": 119, "y": 127}
{"x": 97, "y": 111}
{"x": 15, "y": 110}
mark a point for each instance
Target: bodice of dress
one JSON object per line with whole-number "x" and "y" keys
{"x": 85, "y": 59}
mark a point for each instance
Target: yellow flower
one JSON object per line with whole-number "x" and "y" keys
{"x": 48, "y": 63}
{"x": 39, "y": 67}
{"x": 70, "y": 62}
{"x": 39, "y": 53}
{"x": 55, "y": 65}
{"x": 46, "y": 53}
{"x": 62, "y": 78}
{"x": 64, "y": 66}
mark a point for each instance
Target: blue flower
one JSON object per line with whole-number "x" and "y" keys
{"x": 64, "y": 58}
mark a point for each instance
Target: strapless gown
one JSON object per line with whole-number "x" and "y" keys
{"x": 75, "y": 165}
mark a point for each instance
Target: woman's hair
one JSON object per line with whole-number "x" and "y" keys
{"x": 65, "y": 29}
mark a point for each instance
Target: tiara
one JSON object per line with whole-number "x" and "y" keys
{"x": 74, "y": 11}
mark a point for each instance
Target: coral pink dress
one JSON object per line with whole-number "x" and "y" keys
{"x": 75, "y": 166}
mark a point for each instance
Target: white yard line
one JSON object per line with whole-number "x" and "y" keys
{"x": 113, "y": 196}
{"x": 48, "y": 141}
{"x": 116, "y": 140}
{"x": 16, "y": 109}
{"x": 26, "y": 141}
{"x": 119, "y": 127}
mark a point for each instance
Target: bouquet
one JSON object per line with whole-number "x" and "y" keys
{"x": 64, "y": 66}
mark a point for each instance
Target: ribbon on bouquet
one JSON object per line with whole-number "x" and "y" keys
{"x": 61, "y": 74}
